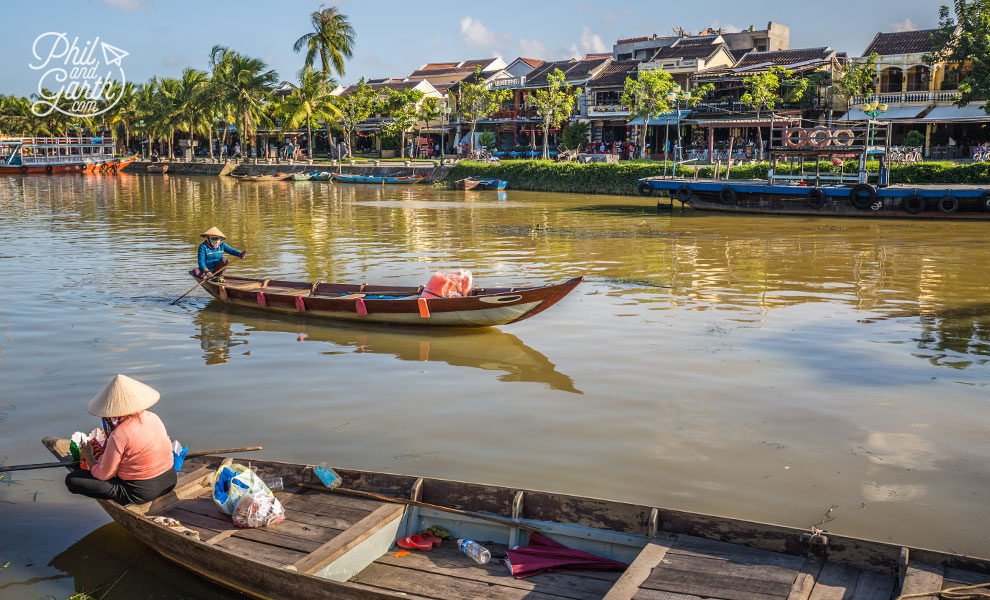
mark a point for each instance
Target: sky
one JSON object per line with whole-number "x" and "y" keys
{"x": 395, "y": 37}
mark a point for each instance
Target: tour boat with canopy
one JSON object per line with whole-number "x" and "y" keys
{"x": 60, "y": 155}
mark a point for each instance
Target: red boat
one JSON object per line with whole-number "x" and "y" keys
{"x": 60, "y": 155}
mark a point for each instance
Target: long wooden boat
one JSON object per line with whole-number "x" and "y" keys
{"x": 302, "y": 176}
{"x": 494, "y": 184}
{"x": 797, "y": 185}
{"x": 322, "y": 176}
{"x": 275, "y": 177}
{"x": 467, "y": 184}
{"x": 41, "y": 156}
{"x": 484, "y": 307}
{"x": 163, "y": 168}
{"x": 343, "y": 178}
{"x": 341, "y": 544}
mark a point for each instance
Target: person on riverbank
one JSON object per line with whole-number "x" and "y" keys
{"x": 136, "y": 464}
{"x": 211, "y": 257}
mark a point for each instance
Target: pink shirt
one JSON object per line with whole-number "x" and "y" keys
{"x": 137, "y": 449}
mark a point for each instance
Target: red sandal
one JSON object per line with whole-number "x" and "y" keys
{"x": 430, "y": 538}
{"x": 414, "y": 542}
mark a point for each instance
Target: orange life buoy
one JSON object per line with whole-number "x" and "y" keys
{"x": 850, "y": 137}
{"x": 789, "y": 137}
{"x": 819, "y": 137}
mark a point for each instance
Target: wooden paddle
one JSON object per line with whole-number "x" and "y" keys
{"x": 202, "y": 281}
{"x": 456, "y": 511}
{"x": 73, "y": 463}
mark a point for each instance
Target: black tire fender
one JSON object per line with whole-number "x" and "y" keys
{"x": 816, "y": 198}
{"x": 684, "y": 194}
{"x": 856, "y": 195}
{"x": 48, "y": 168}
{"x": 914, "y": 204}
{"x": 645, "y": 189}
{"x": 727, "y": 195}
{"x": 948, "y": 205}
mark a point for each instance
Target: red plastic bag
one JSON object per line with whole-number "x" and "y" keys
{"x": 449, "y": 284}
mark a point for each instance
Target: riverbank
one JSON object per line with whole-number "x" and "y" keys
{"x": 621, "y": 179}
{"x": 384, "y": 168}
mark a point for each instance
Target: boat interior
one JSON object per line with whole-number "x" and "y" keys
{"x": 338, "y": 290}
{"x": 672, "y": 555}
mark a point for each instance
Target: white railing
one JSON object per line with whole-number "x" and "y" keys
{"x": 63, "y": 160}
{"x": 508, "y": 82}
{"x": 608, "y": 109}
{"x": 908, "y": 97}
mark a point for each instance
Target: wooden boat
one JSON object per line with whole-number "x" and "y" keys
{"x": 323, "y": 176}
{"x": 29, "y": 155}
{"x": 484, "y": 307}
{"x": 158, "y": 168}
{"x": 467, "y": 184}
{"x": 340, "y": 544}
{"x": 377, "y": 179}
{"x": 249, "y": 178}
{"x": 494, "y": 184}
{"x": 796, "y": 185}
{"x": 301, "y": 176}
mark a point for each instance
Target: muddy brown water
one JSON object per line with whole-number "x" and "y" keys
{"x": 760, "y": 368}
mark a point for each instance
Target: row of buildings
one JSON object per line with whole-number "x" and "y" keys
{"x": 918, "y": 96}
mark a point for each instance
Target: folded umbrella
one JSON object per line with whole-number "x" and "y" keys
{"x": 543, "y": 554}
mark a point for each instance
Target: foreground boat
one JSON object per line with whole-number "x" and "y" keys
{"x": 60, "y": 155}
{"x": 377, "y": 179}
{"x": 484, "y": 307}
{"x": 796, "y": 185}
{"x": 340, "y": 544}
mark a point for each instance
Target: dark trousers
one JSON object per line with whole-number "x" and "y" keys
{"x": 197, "y": 272}
{"x": 122, "y": 491}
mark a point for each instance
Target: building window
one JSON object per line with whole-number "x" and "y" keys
{"x": 918, "y": 78}
{"x": 891, "y": 81}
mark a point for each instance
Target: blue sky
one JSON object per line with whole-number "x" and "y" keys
{"x": 395, "y": 37}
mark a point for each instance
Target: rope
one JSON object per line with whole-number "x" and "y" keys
{"x": 962, "y": 592}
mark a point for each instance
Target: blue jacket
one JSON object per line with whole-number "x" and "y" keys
{"x": 209, "y": 258}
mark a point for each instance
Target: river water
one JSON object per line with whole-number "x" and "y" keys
{"x": 759, "y": 368}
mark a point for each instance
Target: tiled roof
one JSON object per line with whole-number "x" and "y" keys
{"x": 584, "y": 68}
{"x": 737, "y": 54}
{"x": 784, "y": 57}
{"x": 398, "y": 86}
{"x": 615, "y": 74}
{"x": 533, "y": 62}
{"x": 646, "y": 39}
{"x": 597, "y": 56}
{"x": 902, "y": 42}
{"x": 687, "y": 50}
{"x": 441, "y": 72}
{"x": 539, "y": 74}
{"x": 429, "y": 66}
{"x": 483, "y": 62}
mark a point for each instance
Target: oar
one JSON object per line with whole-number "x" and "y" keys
{"x": 201, "y": 281}
{"x": 70, "y": 464}
{"x": 456, "y": 511}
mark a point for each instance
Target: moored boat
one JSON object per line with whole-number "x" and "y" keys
{"x": 29, "y": 155}
{"x": 162, "y": 168}
{"x": 482, "y": 307}
{"x": 494, "y": 184}
{"x": 341, "y": 177}
{"x": 341, "y": 544}
{"x": 322, "y": 176}
{"x": 467, "y": 184}
{"x": 301, "y": 176}
{"x": 796, "y": 185}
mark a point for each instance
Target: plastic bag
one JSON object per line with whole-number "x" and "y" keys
{"x": 231, "y": 482}
{"x": 97, "y": 439}
{"x": 450, "y": 284}
{"x": 257, "y": 510}
{"x": 178, "y": 455}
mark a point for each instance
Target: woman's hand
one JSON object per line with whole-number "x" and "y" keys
{"x": 86, "y": 453}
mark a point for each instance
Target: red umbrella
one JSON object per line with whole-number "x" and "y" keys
{"x": 543, "y": 554}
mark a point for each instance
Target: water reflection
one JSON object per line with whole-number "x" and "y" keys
{"x": 489, "y": 349}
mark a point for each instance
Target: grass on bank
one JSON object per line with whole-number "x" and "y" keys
{"x": 620, "y": 179}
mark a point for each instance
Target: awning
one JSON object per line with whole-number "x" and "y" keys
{"x": 665, "y": 119}
{"x": 892, "y": 114}
{"x": 948, "y": 114}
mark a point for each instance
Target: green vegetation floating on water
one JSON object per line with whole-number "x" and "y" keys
{"x": 620, "y": 179}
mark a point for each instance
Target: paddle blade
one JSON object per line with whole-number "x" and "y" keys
{"x": 327, "y": 475}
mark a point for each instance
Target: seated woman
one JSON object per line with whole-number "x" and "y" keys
{"x": 136, "y": 465}
{"x": 211, "y": 258}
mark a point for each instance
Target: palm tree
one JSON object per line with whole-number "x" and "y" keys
{"x": 125, "y": 111}
{"x": 332, "y": 38}
{"x": 309, "y": 101}
{"x": 244, "y": 85}
{"x": 145, "y": 107}
{"x": 192, "y": 117}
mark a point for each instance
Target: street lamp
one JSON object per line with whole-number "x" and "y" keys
{"x": 444, "y": 111}
{"x": 873, "y": 110}
{"x": 671, "y": 99}
{"x": 684, "y": 96}
{"x": 147, "y": 150}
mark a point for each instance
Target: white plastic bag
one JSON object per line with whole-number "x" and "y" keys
{"x": 232, "y": 482}
{"x": 257, "y": 510}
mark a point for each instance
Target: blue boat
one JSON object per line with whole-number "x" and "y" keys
{"x": 323, "y": 176}
{"x": 494, "y": 184}
{"x": 377, "y": 179}
{"x": 796, "y": 185}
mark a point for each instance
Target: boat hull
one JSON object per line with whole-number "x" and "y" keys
{"x": 100, "y": 167}
{"x": 340, "y": 302}
{"x": 951, "y": 202}
{"x": 342, "y": 178}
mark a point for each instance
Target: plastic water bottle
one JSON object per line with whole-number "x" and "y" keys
{"x": 476, "y": 551}
{"x": 274, "y": 484}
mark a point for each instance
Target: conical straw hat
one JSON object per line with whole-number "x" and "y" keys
{"x": 212, "y": 231}
{"x": 124, "y": 396}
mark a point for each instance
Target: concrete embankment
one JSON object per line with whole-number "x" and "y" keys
{"x": 243, "y": 168}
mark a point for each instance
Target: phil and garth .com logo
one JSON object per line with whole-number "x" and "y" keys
{"x": 74, "y": 81}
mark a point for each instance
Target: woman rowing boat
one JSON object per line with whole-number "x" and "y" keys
{"x": 136, "y": 464}
{"x": 211, "y": 255}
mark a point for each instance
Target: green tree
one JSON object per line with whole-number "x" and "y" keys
{"x": 487, "y": 139}
{"x": 646, "y": 97}
{"x": 308, "y": 103}
{"x": 554, "y": 104}
{"x": 859, "y": 79}
{"x": 243, "y": 86}
{"x": 401, "y": 109}
{"x": 193, "y": 116}
{"x": 428, "y": 111}
{"x": 477, "y": 101}
{"x": 763, "y": 92}
{"x": 332, "y": 39}
{"x": 963, "y": 44}
{"x": 355, "y": 107}
{"x": 576, "y": 135}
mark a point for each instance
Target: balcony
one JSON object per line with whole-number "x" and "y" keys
{"x": 507, "y": 82}
{"x": 507, "y": 115}
{"x": 925, "y": 97}
{"x": 608, "y": 110}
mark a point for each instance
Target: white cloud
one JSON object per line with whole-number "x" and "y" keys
{"x": 173, "y": 61}
{"x": 474, "y": 32}
{"x": 533, "y": 49}
{"x": 905, "y": 25}
{"x": 128, "y": 5}
{"x": 590, "y": 43}
{"x": 726, "y": 27}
